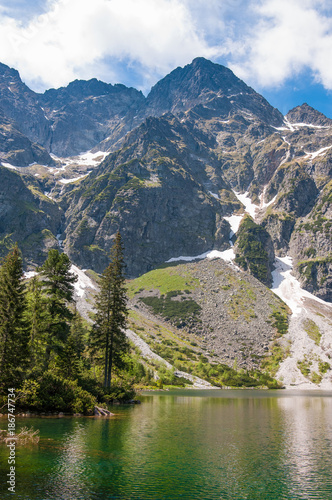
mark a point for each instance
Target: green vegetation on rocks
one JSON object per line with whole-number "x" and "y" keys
{"x": 277, "y": 354}
{"x": 172, "y": 309}
{"x": 312, "y": 330}
{"x": 164, "y": 280}
{"x": 280, "y": 318}
{"x": 254, "y": 251}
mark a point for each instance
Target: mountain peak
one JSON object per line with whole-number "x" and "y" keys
{"x": 307, "y": 114}
{"x": 185, "y": 87}
{"x": 201, "y": 82}
{"x": 6, "y": 71}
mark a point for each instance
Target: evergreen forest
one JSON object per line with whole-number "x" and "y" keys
{"x": 54, "y": 359}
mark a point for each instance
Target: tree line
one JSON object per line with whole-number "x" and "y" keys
{"x": 55, "y": 359}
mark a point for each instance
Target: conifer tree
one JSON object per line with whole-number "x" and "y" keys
{"x": 14, "y": 334}
{"x": 71, "y": 359}
{"x": 57, "y": 282}
{"x": 111, "y": 313}
{"x": 37, "y": 317}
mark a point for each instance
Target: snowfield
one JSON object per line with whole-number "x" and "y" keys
{"x": 30, "y": 274}
{"x": 234, "y": 221}
{"x": 87, "y": 159}
{"x": 249, "y": 206}
{"x": 320, "y": 152}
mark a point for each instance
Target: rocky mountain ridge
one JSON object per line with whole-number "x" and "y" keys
{"x": 175, "y": 164}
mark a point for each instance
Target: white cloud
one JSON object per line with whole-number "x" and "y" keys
{"x": 289, "y": 36}
{"x": 74, "y": 36}
{"x": 264, "y": 41}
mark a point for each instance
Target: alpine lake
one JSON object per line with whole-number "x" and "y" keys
{"x": 182, "y": 444}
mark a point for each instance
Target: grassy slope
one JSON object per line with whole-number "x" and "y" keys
{"x": 183, "y": 346}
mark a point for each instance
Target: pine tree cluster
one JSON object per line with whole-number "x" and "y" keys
{"x": 55, "y": 360}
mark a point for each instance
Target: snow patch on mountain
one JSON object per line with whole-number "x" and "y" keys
{"x": 234, "y": 221}
{"x": 306, "y": 309}
{"x": 309, "y": 125}
{"x": 226, "y": 255}
{"x": 83, "y": 281}
{"x": 249, "y": 206}
{"x": 320, "y": 152}
{"x": 8, "y": 165}
{"x": 288, "y": 288}
{"x": 29, "y": 274}
{"x": 296, "y": 126}
{"x": 74, "y": 179}
{"x": 87, "y": 159}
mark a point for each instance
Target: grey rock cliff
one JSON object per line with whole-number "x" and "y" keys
{"x": 27, "y": 217}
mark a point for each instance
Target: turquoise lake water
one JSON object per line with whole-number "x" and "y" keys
{"x": 236, "y": 445}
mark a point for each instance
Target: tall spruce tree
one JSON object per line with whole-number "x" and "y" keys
{"x": 38, "y": 320}
{"x": 111, "y": 313}
{"x": 71, "y": 361}
{"x": 57, "y": 282}
{"x": 14, "y": 333}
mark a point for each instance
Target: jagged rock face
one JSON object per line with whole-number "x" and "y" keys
{"x": 280, "y": 226}
{"x": 154, "y": 192}
{"x": 16, "y": 149}
{"x": 200, "y": 131}
{"x": 309, "y": 115}
{"x": 27, "y": 217}
{"x": 299, "y": 220}
{"x": 208, "y": 86}
{"x": 86, "y": 113}
{"x": 70, "y": 120}
{"x": 20, "y": 105}
{"x": 311, "y": 246}
{"x": 316, "y": 276}
{"x": 74, "y": 119}
{"x": 297, "y": 190}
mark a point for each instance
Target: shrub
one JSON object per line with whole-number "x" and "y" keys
{"x": 323, "y": 366}
{"x": 53, "y": 393}
{"x": 122, "y": 393}
{"x": 173, "y": 310}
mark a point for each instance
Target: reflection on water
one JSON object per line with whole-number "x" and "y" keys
{"x": 69, "y": 477}
{"x": 308, "y": 438}
{"x": 234, "y": 445}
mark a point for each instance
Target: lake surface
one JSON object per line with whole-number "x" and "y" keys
{"x": 236, "y": 445}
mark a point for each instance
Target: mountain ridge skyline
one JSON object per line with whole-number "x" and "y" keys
{"x": 297, "y": 101}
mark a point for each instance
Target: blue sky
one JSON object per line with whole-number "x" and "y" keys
{"x": 281, "y": 48}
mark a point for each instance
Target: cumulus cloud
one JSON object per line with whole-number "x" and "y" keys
{"x": 289, "y": 36}
{"x": 74, "y": 37}
{"x": 264, "y": 41}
